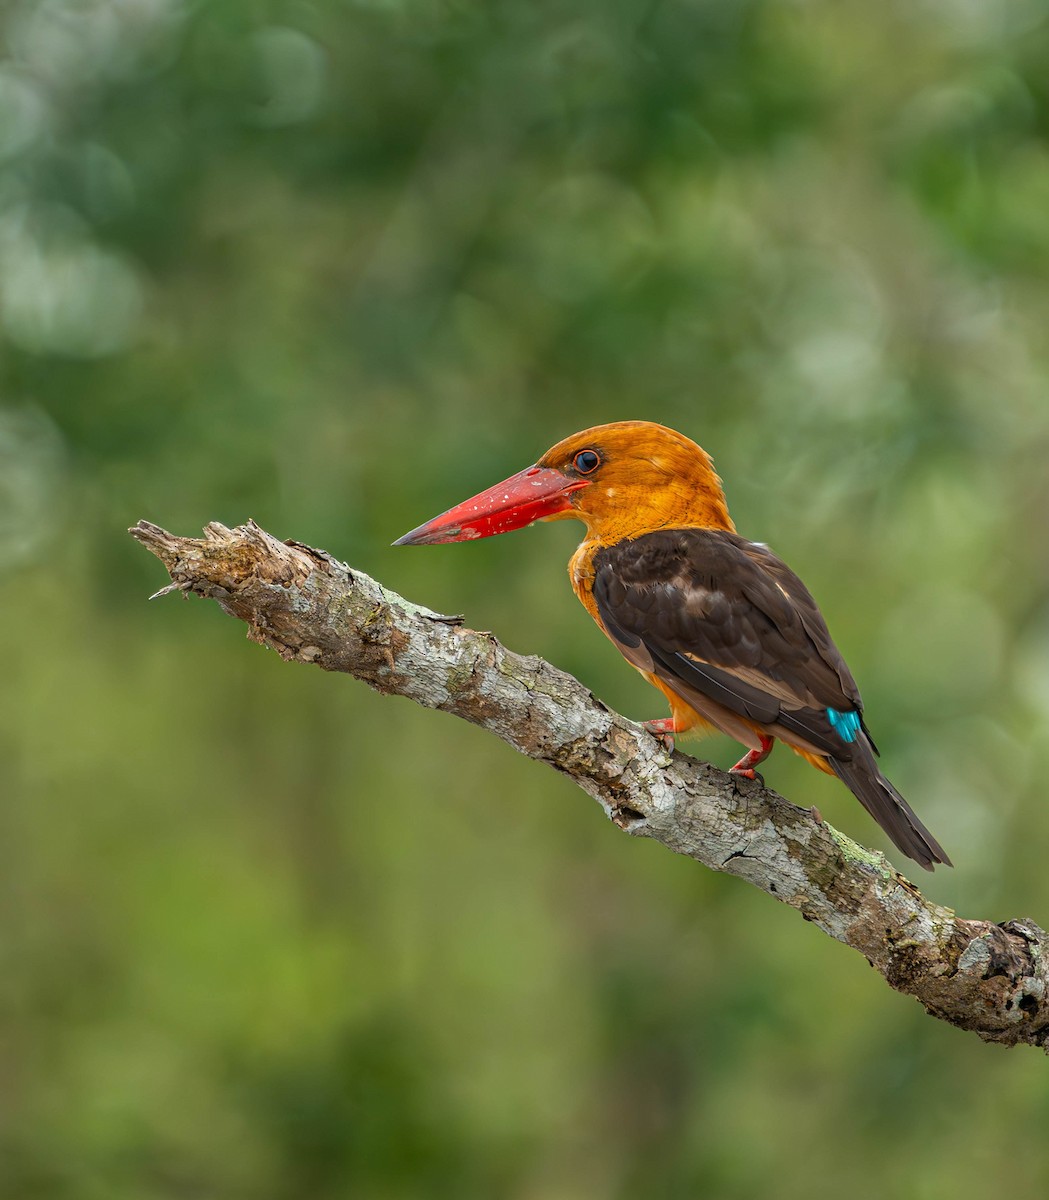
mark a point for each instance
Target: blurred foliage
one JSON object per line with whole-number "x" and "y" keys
{"x": 338, "y": 265}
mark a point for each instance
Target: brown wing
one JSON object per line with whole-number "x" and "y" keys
{"x": 722, "y": 619}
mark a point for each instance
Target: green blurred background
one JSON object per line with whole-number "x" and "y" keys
{"x": 335, "y": 266}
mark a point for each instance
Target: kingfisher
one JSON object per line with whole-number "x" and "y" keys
{"x": 719, "y": 624}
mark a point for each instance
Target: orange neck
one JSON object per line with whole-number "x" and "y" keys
{"x": 613, "y": 514}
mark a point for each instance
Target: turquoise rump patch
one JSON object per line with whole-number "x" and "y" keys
{"x": 846, "y": 724}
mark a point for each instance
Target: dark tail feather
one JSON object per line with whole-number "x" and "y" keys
{"x": 885, "y": 804}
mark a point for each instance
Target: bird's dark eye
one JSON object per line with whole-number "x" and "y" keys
{"x": 586, "y": 462}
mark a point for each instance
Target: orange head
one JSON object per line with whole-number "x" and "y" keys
{"x": 622, "y": 480}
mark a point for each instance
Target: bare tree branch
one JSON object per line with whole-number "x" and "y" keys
{"x": 985, "y": 977}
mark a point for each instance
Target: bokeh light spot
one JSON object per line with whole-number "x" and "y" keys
{"x": 293, "y": 71}
{"x": 23, "y": 113}
{"x": 67, "y": 296}
{"x": 32, "y": 459}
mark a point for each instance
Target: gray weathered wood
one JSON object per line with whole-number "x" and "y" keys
{"x": 985, "y": 977}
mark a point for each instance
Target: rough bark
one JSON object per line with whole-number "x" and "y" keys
{"x": 985, "y": 977}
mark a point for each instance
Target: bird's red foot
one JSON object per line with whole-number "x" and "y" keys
{"x": 750, "y": 760}
{"x": 663, "y": 731}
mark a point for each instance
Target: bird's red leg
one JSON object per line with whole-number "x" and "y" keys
{"x": 750, "y": 760}
{"x": 663, "y": 731}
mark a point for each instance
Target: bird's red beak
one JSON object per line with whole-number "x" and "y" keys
{"x": 528, "y": 496}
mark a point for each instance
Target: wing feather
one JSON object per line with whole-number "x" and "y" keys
{"x": 715, "y": 616}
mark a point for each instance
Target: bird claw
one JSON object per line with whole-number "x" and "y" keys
{"x": 663, "y": 731}
{"x": 750, "y": 760}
